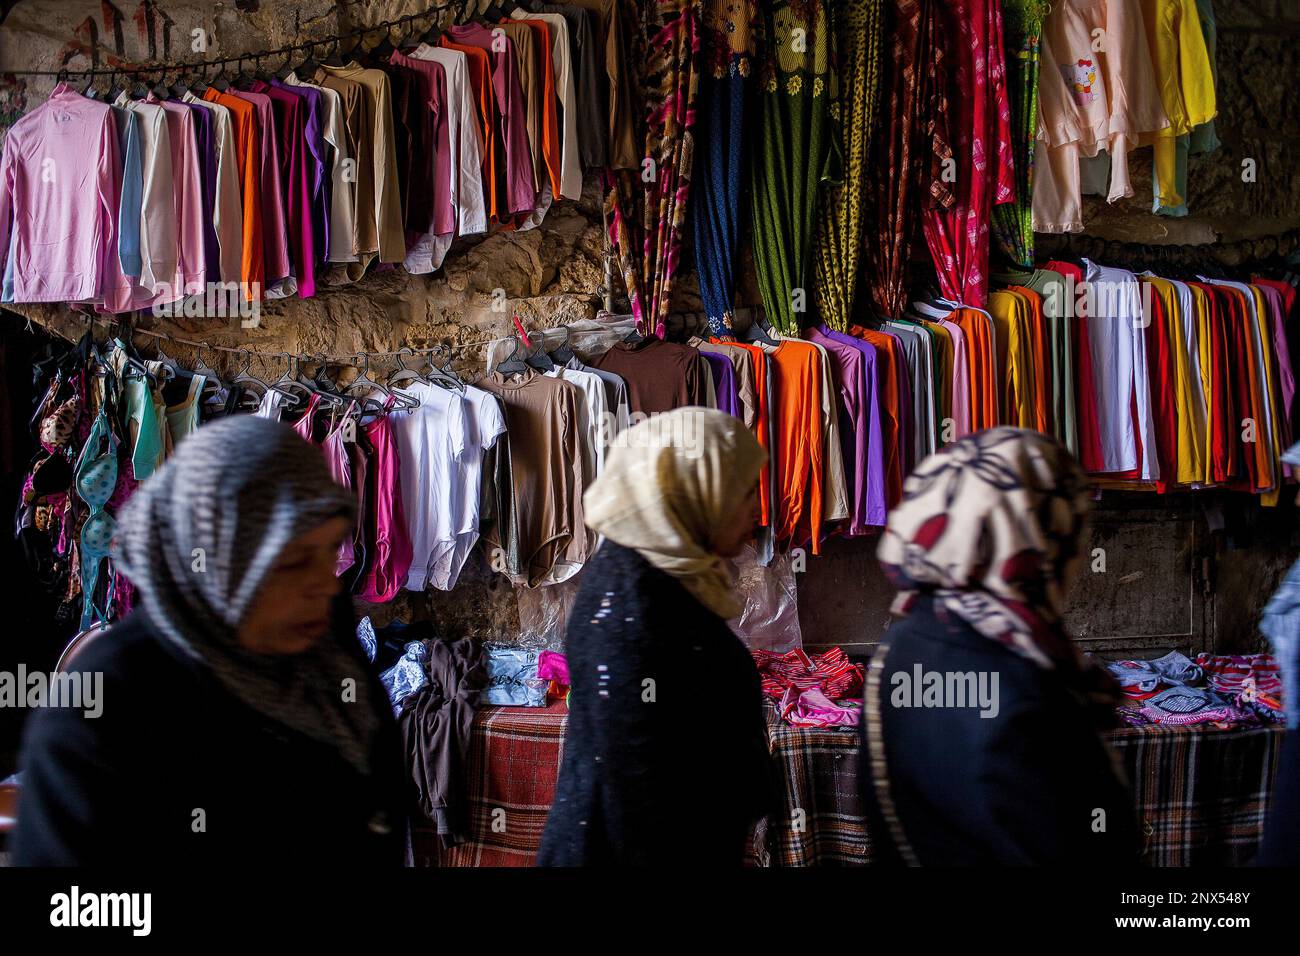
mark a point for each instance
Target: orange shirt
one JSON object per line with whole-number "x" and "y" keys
{"x": 494, "y": 170}
{"x": 983, "y": 367}
{"x": 1041, "y": 352}
{"x": 800, "y": 447}
{"x": 248, "y": 157}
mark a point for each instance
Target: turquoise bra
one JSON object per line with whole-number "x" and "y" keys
{"x": 96, "y": 478}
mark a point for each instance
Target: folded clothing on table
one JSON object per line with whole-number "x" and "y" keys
{"x": 811, "y": 690}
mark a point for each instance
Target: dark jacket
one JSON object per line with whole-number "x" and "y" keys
{"x": 124, "y": 788}
{"x": 436, "y": 724}
{"x": 665, "y": 754}
{"x": 1022, "y": 787}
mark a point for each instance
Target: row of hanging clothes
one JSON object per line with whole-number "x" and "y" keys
{"x": 1163, "y": 383}
{"x": 140, "y": 196}
{"x": 108, "y": 418}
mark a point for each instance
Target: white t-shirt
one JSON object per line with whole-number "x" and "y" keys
{"x": 485, "y": 423}
{"x": 430, "y": 440}
{"x": 1117, "y": 340}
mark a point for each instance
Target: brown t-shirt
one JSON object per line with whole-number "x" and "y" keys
{"x": 546, "y": 471}
{"x": 660, "y": 375}
{"x": 368, "y": 116}
{"x": 611, "y": 25}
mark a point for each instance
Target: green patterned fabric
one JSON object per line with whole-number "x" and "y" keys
{"x": 856, "y": 28}
{"x": 794, "y": 138}
{"x": 1012, "y": 222}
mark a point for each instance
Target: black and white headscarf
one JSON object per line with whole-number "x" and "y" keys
{"x": 198, "y": 539}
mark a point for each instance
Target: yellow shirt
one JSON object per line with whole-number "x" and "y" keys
{"x": 1183, "y": 77}
{"x": 1190, "y": 446}
{"x": 1011, "y": 325}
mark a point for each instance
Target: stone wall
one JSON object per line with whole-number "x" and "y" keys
{"x": 1172, "y": 577}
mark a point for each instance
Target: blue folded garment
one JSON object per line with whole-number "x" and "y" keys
{"x": 1174, "y": 668}
{"x": 406, "y": 676}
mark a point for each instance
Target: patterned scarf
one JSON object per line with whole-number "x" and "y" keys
{"x": 647, "y": 207}
{"x": 990, "y": 528}
{"x": 198, "y": 541}
{"x": 856, "y": 25}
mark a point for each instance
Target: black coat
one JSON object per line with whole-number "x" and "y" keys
{"x": 668, "y": 772}
{"x": 1018, "y": 788}
{"x": 123, "y": 788}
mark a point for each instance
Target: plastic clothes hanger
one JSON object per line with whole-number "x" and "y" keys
{"x": 365, "y": 381}
{"x": 562, "y": 354}
{"x": 514, "y": 363}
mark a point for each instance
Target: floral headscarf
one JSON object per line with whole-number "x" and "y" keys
{"x": 990, "y": 528}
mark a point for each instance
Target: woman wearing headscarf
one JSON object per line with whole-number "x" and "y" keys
{"x": 982, "y": 729}
{"x": 665, "y": 753}
{"x": 239, "y": 721}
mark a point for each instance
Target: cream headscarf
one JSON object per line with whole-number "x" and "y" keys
{"x": 669, "y": 485}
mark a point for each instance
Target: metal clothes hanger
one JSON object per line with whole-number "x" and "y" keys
{"x": 335, "y": 59}
{"x": 222, "y": 81}
{"x": 211, "y": 377}
{"x": 759, "y": 330}
{"x": 384, "y": 49}
{"x": 444, "y": 374}
{"x": 307, "y": 68}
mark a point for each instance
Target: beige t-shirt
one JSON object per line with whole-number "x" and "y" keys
{"x": 378, "y": 198}
{"x": 547, "y": 473}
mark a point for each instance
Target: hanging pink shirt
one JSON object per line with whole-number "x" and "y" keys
{"x": 275, "y": 231}
{"x": 187, "y": 200}
{"x": 393, "y": 552}
{"x": 59, "y": 194}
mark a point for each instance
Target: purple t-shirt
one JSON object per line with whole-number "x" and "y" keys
{"x": 319, "y": 181}
{"x": 724, "y": 382}
{"x": 208, "y": 174}
{"x": 859, "y": 377}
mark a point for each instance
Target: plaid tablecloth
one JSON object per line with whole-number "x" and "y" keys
{"x": 514, "y": 760}
{"x": 1201, "y": 794}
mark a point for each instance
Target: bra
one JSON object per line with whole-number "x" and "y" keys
{"x": 96, "y": 479}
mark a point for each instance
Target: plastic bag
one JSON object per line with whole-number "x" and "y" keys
{"x": 512, "y": 677}
{"x": 770, "y": 621}
{"x": 544, "y": 613}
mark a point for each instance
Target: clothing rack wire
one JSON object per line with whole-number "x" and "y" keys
{"x": 281, "y": 354}
{"x": 181, "y": 66}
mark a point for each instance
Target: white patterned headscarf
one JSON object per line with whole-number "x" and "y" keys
{"x": 198, "y": 539}
{"x": 990, "y": 528}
